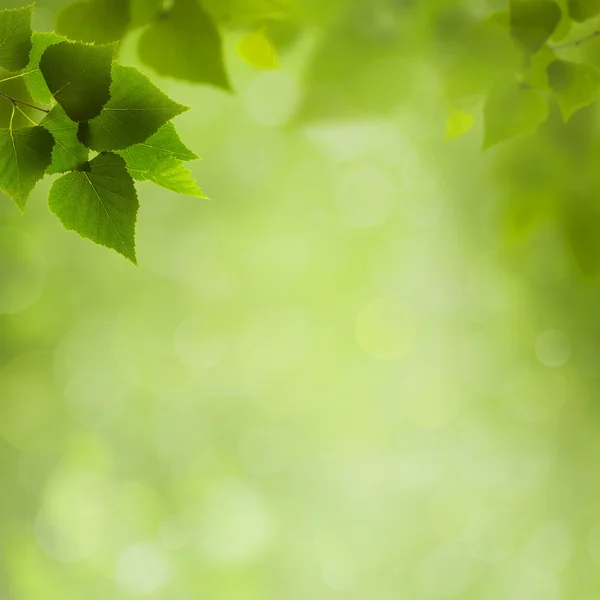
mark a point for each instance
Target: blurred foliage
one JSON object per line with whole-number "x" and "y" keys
{"x": 368, "y": 368}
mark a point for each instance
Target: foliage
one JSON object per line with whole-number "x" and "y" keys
{"x": 96, "y": 105}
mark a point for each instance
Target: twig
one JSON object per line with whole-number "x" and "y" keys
{"x": 578, "y": 42}
{"x": 15, "y": 101}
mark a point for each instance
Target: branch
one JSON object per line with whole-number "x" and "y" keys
{"x": 578, "y": 42}
{"x": 15, "y": 102}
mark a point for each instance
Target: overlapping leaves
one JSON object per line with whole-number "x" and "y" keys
{"x": 517, "y": 98}
{"x": 90, "y": 104}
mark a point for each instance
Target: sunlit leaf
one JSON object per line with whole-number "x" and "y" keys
{"x": 15, "y": 38}
{"x": 36, "y": 84}
{"x": 136, "y": 110}
{"x": 68, "y": 151}
{"x": 258, "y": 50}
{"x": 99, "y": 202}
{"x": 459, "y": 123}
{"x": 25, "y": 154}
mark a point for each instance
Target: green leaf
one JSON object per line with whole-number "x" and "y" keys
{"x": 167, "y": 141}
{"x": 136, "y": 110}
{"x": 160, "y": 160}
{"x": 25, "y": 154}
{"x": 582, "y": 10}
{"x": 161, "y": 169}
{"x": 185, "y": 44}
{"x": 36, "y": 84}
{"x": 513, "y": 111}
{"x": 79, "y": 77}
{"x": 94, "y": 21}
{"x": 68, "y": 151}
{"x": 15, "y": 38}
{"x": 258, "y": 50}
{"x": 532, "y": 22}
{"x": 100, "y": 203}
{"x": 574, "y": 85}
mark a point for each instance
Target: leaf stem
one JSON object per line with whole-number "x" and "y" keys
{"x": 15, "y": 101}
{"x": 578, "y": 42}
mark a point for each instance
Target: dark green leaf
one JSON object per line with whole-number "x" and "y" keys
{"x": 136, "y": 110}
{"x": 532, "y": 22}
{"x": 79, "y": 77}
{"x": 99, "y": 203}
{"x": 185, "y": 44}
{"x": 25, "y": 154}
{"x": 15, "y": 38}
{"x": 512, "y": 111}
{"x": 574, "y": 85}
{"x": 68, "y": 151}
{"x": 36, "y": 84}
{"x": 95, "y": 21}
{"x": 582, "y": 10}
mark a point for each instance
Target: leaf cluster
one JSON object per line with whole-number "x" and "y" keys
{"x": 522, "y": 61}
{"x": 105, "y": 126}
{"x": 182, "y": 41}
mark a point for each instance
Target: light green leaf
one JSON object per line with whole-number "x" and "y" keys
{"x": 513, "y": 111}
{"x": 582, "y": 10}
{"x": 136, "y": 110}
{"x": 100, "y": 203}
{"x": 25, "y": 154}
{"x": 94, "y": 21}
{"x": 68, "y": 151}
{"x": 15, "y": 38}
{"x": 36, "y": 84}
{"x": 79, "y": 77}
{"x": 258, "y": 50}
{"x": 574, "y": 85}
{"x": 185, "y": 44}
{"x": 167, "y": 141}
{"x": 163, "y": 170}
{"x": 459, "y": 123}
{"x": 532, "y": 22}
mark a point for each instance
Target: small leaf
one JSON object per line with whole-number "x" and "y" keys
{"x": 78, "y": 76}
{"x": 15, "y": 38}
{"x": 160, "y": 160}
{"x": 99, "y": 203}
{"x": 458, "y": 124}
{"x": 582, "y": 10}
{"x": 258, "y": 50}
{"x": 36, "y": 84}
{"x": 512, "y": 111}
{"x": 166, "y": 141}
{"x": 185, "y": 44}
{"x": 25, "y": 154}
{"x": 574, "y": 85}
{"x": 164, "y": 170}
{"x": 136, "y": 110}
{"x": 68, "y": 151}
{"x": 532, "y": 22}
{"x": 94, "y": 21}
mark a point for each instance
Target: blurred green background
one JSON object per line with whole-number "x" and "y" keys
{"x": 366, "y": 369}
